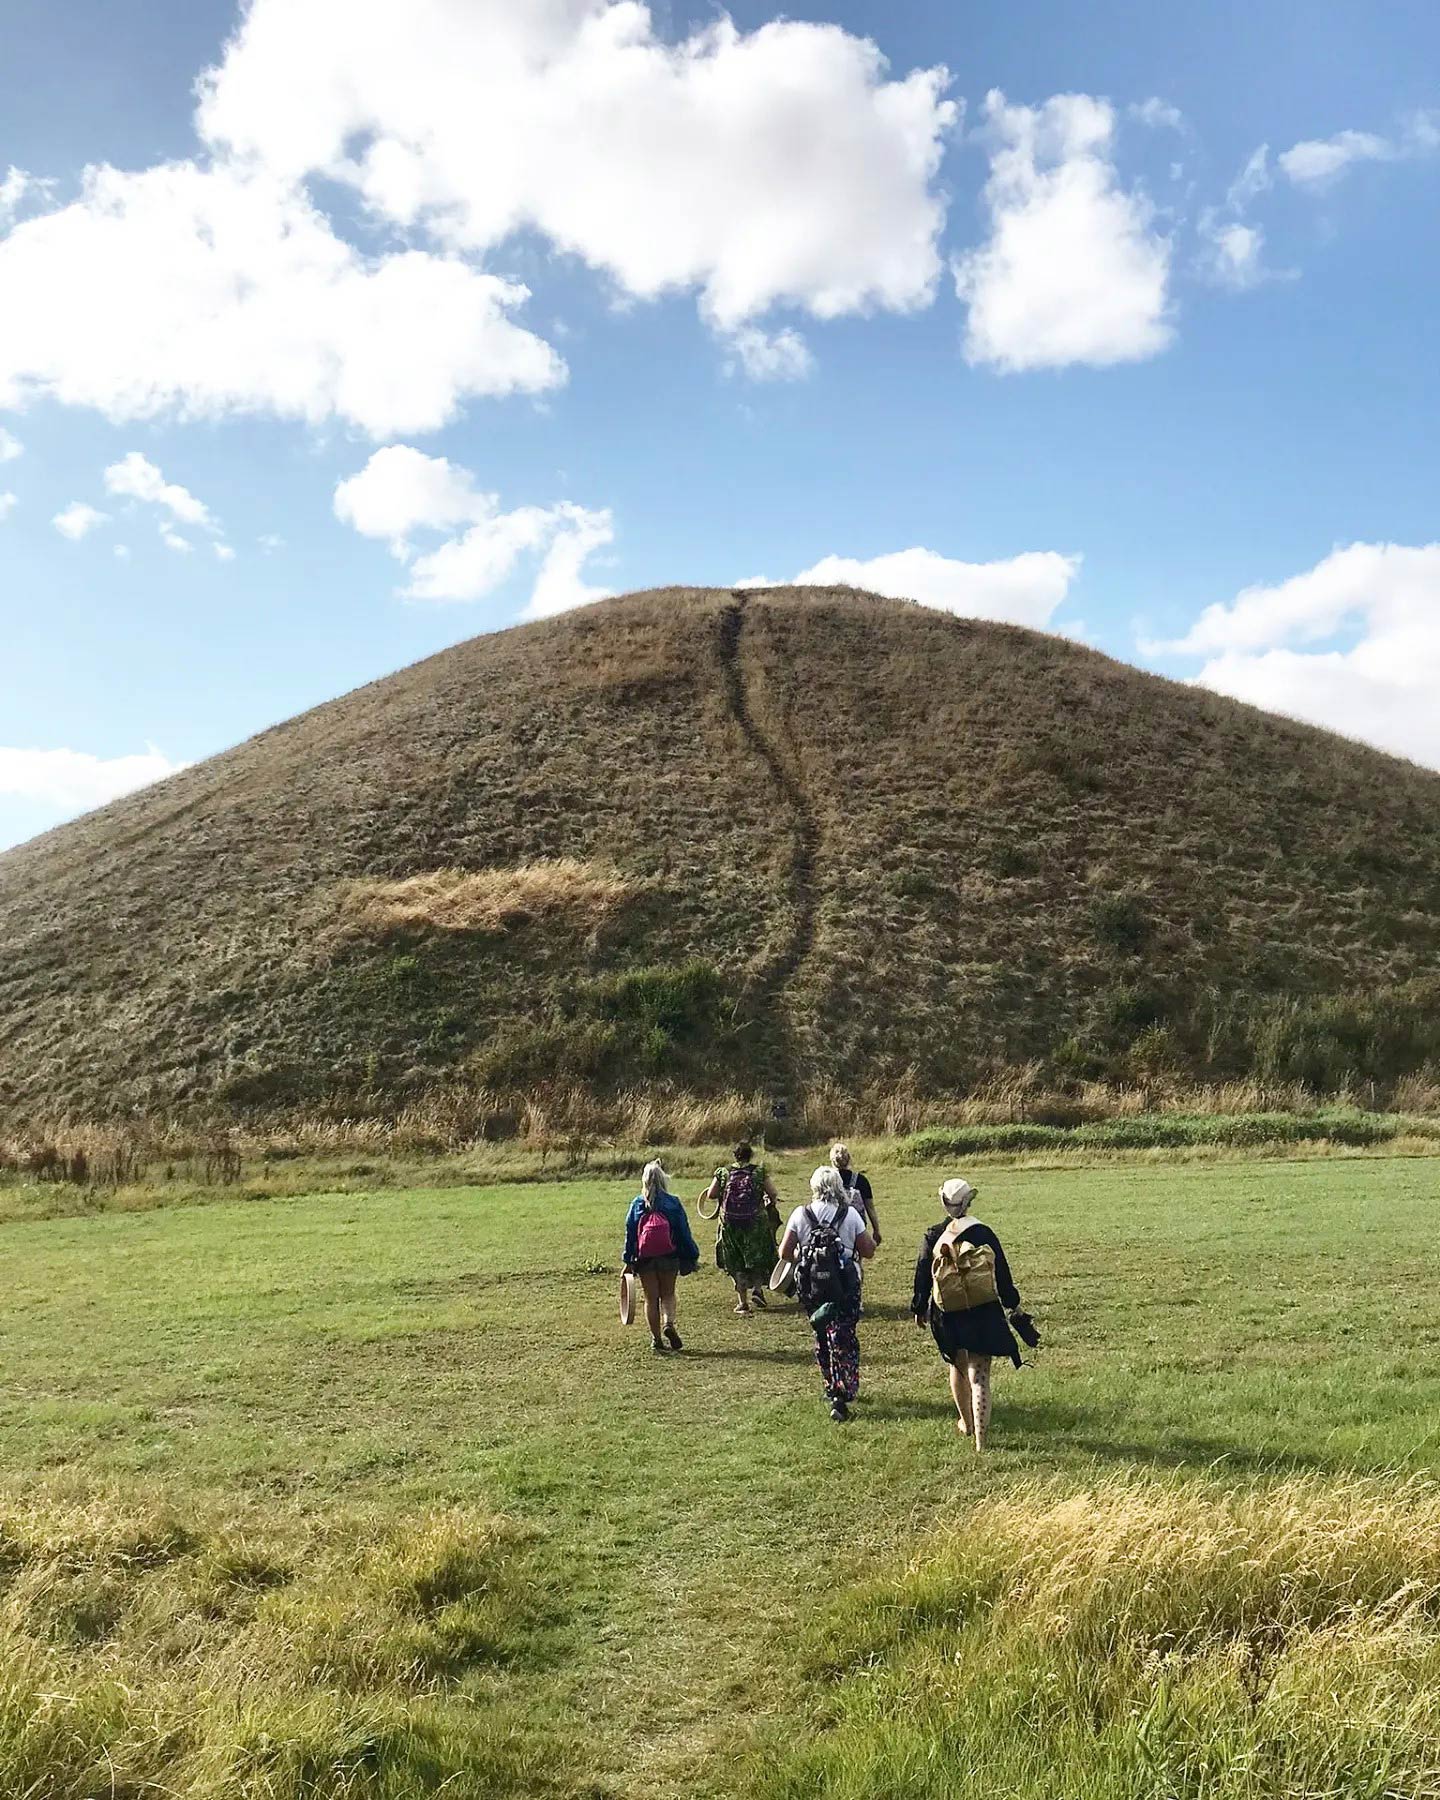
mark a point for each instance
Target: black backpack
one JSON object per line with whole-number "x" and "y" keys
{"x": 824, "y": 1275}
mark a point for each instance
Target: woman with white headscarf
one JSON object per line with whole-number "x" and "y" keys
{"x": 963, "y": 1290}
{"x": 826, "y": 1241}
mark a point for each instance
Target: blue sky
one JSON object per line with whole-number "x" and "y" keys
{"x": 442, "y": 315}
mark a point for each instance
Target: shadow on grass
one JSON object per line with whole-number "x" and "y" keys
{"x": 1041, "y": 1426}
{"x": 745, "y": 1355}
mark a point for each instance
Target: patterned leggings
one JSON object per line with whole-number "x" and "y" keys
{"x": 837, "y": 1355}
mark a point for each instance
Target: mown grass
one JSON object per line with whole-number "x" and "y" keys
{"x": 360, "y": 1495}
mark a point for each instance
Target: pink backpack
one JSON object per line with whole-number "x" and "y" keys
{"x": 655, "y": 1238}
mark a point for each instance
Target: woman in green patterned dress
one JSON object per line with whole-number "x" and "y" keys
{"x": 749, "y": 1211}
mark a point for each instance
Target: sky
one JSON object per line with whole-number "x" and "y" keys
{"x": 333, "y": 332}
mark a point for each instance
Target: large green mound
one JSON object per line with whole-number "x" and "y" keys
{"x": 767, "y": 841}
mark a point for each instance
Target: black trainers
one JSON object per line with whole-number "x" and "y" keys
{"x": 672, "y": 1338}
{"x": 839, "y": 1412}
{"x": 657, "y": 1348}
{"x": 758, "y": 1299}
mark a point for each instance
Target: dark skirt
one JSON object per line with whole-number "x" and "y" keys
{"x": 983, "y": 1331}
{"x": 662, "y": 1265}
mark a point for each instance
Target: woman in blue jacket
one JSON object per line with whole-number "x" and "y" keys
{"x": 659, "y": 1245}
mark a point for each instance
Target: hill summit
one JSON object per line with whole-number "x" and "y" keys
{"x": 765, "y": 840}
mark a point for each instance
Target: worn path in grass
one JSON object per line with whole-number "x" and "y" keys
{"x": 461, "y": 1345}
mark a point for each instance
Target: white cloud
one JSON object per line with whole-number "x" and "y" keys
{"x": 1380, "y": 686}
{"x": 401, "y": 491}
{"x": 270, "y": 543}
{"x": 1073, "y": 271}
{"x": 770, "y": 355}
{"x": 1317, "y": 162}
{"x": 1023, "y": 590}
{"x": 223, "y": 552}
{"x": 773, "y": 167}
{"x": 1233, "y": 254}
{"x": 74, "y": 780}
{"x": 1320, "y": 160}
{"x": 212, "y": 291}
{"x": 1157, "y": 113}
{"x": 8, "y": 503}
{"x": 172, "y": 540}
{"x": 78, "y": 520}
{"x": 1253, "y": 180}
{"x": 10, "y": 447}
{"x": 135, "y": 477}
{"x": 13, "y": 188}
{"x": 560, "y": 583}
{"x": 122, "y": 553}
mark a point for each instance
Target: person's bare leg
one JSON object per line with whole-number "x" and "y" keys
{"x": 667, "y": 1307}
{"x": 979, "y": 1373}
{"x": 960, "y": 1393}
{"x": 650, "y": 1281}
{"x": 742, "y": 1303}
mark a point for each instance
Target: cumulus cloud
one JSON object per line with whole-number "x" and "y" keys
{"x": 1317, "y": 162}
{"x": 1277, "y": 646}
{"x": 1023, "y": 590}
{"x": 781, "y": 166}
{"x": 135, "y": 477}
{"x": 172, "y": 540}
{"x": 401, "y": 492}
{"x": 8, "y": 503}
{"x": 1073, "y": 271}
{"x": 208, "y": 291}
{"x": 78, "y": 520}
{"x": 73, "y": 780}
{"x": 10, "y": 447}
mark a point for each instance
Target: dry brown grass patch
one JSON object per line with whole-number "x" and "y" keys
{"x": 484, "y": 900}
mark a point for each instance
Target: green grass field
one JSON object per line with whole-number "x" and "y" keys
{"x": 371, "y": 1496}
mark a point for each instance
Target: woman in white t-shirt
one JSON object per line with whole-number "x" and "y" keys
{"x": 834, "y": 1310}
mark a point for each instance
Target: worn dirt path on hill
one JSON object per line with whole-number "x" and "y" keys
{"x": 769, "y": 984}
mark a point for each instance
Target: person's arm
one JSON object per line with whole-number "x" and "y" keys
{"x": 767, "y": 1187}
{"x": 789, "y": 1244}
{"x": 920, "y": 1298}
{"x": 688, "y": 1249}
{"x": 867, "y": 1196}
{"x": 864, "y": 1244}
{"x": 632, "y": 1247}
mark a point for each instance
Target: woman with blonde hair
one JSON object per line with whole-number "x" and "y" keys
{"x": 659, "y": 1246}
{"x": 963, "y": 1290}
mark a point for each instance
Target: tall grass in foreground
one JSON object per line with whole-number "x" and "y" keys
{"x": 1138, "y": 1641}
{"x": 144, "y": 1654}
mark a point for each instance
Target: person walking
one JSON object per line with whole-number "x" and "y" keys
{"x": 745, "y": 1237}
{"x": 659, "y": 1247}
{"x": 857, "y": 1188}
{"x": 826, "y": 1240}
{"x": 963, "y": 1290}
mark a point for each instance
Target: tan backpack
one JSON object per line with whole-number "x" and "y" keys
{"x": 962, "y": 1275}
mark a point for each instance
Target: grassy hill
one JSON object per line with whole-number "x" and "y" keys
{"x": 711, "y": 841}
